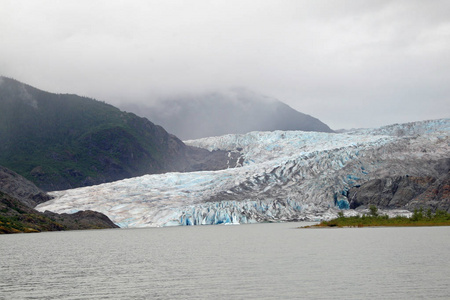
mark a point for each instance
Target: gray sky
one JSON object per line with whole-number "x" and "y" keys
{"x": 348, "y": 63}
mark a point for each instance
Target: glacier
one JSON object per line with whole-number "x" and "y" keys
{"x": 285, "y": 176}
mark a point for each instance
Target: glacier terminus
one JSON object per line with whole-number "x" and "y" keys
{"x": 281, "y": 176}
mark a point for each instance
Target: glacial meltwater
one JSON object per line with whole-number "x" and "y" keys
{"x": 258, "y": 261}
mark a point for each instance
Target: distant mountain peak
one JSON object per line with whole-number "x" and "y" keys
{"x": 237, "y": 110}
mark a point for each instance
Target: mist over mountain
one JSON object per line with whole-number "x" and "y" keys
{"x": 234, "y": 111}
{"x": 61, "y": 141}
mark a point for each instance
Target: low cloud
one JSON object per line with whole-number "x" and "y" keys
{"x": 348, "y": 63}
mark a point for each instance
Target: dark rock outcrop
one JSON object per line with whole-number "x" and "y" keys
{"x": 198, "y": 159}
{"x": 404, "y": 192}
{"x": 86, "y": 219}
{"x": 16, "y": 217}
{"x": 18, "y": 187}
{"x": 18, "y": 196}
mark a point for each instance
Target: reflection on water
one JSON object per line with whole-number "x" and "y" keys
{"x": 260, "y": 261}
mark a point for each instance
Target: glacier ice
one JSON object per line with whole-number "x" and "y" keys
{"x": 286, "y": 175}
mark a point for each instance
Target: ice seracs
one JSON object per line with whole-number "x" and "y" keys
{"x": 286, "y": 176}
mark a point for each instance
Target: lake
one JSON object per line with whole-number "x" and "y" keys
{"x": 258, "y": 261}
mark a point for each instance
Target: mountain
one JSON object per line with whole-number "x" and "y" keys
{"x": 61, "y": 141}
{"x": 285, "y": 176}
{"x": 18, "y": 196}
{"x": 234, "y": 111}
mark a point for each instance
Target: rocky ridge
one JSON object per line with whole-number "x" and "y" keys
{"x": 18, "y": 196}
{"x": 21, "y": 189}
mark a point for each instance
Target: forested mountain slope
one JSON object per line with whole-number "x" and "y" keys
{"x": 61, "y": 141}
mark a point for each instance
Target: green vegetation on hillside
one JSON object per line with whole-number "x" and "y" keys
{"x": 63, "y": 141}
{"x": 419, "y": 218}
{"x": 15, "y": 217}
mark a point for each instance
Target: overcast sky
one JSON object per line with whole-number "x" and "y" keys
{"x": 348, "y": 63}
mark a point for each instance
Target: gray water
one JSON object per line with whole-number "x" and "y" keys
{"x": 261, "y": 261}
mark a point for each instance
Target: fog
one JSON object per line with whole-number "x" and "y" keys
{"x": 234, "y": 111}
{"x": 347, "y": 63}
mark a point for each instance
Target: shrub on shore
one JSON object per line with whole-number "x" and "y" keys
{"x": 439, "y": 218}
